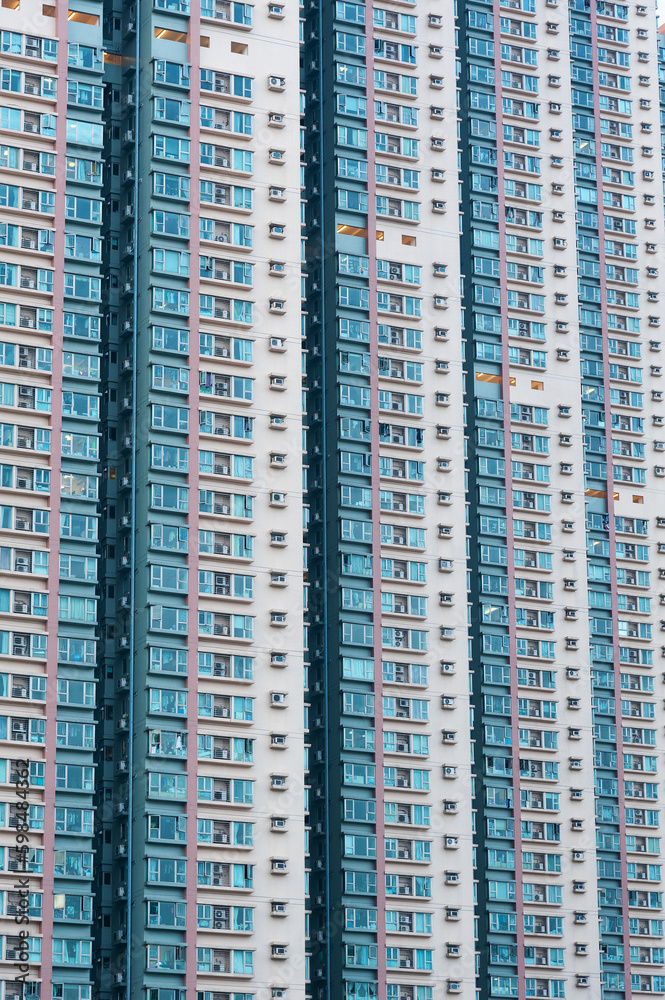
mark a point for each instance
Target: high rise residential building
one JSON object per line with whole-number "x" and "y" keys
{"x": 561, "y": 251}
{"x": 203, "y": 616}
{"x": 390, "y": 817}
{"x": 484, "y": 399}
{"x": 332, "y": 462}
{"x": 152, "y": 502}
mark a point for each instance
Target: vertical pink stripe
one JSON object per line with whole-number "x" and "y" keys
{"x": 610, "y": 510}
{"x": 375, "y": 477}
{"x": 54, "y": 497}
{"x": 510, "y": 535}
{"x": 193, "y": 513}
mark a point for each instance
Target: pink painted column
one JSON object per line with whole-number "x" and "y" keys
{"x": 611, "y": 533}
{"x": 193, "y": 513}
{"x": 376, "y": 515}
{"x": 510, "y": 535}
{"x": 53, "y": 578}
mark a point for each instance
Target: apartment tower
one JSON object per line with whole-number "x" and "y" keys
{"x": 561, "y": 249}
{"x": 152, "y": 499}
{"x": 391, "y": 883}
{"x": 554, "y": 447}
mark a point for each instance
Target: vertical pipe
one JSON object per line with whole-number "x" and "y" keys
{"x": 133, "y": 509}
{"x": 194, "y": 42}
{"x": 375, "y": 479}
{"x": 324, "y": 513}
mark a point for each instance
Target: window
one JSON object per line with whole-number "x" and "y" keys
{"x": 80, "y": 365}
{"x": 77, "y": 609}
{"x": 78, "y": 526}
{"x": 171, "y": 224}
{"x": 173, "y": 379}
{"x": 166, "y": 338}
{"x": 75, "y": 734}
{"x": 84, "y": 133}
{"x": 168, "y": 536}
{"x": 166, "y": 619}
{"x": 167, "y": 786}
{"x": 169, "y": 457}
{"x": 80, "y": 446}
{"x": 169, "y": 497}
{"x": 172, "y": 73}
{"x": 167, "y": 148}
{"x": 166, "y": 870}
{"x": 85, "y": 94}
{"x": 168, "y": 660}
{"x": 166, "y": 914}
{"x": 168, "y": 577}
{"x": 78, "y": 821}
{"x": 166, "y": 827}
{"x": 165, "y": 958}
{"x": 77, "y": 404}
{"x": 170, "y": 300}
{"x": 74, "y": 777}
{"x": 69, "y": 951}
{"x": 76, "y": 693}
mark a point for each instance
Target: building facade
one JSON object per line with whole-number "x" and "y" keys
{"x": 561, "y": 255}
{"x": 157, "y": 520}
{"x": 52, "y": 124}
{"x": 390, "y": 768}
{"x": 331, "y": 380}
